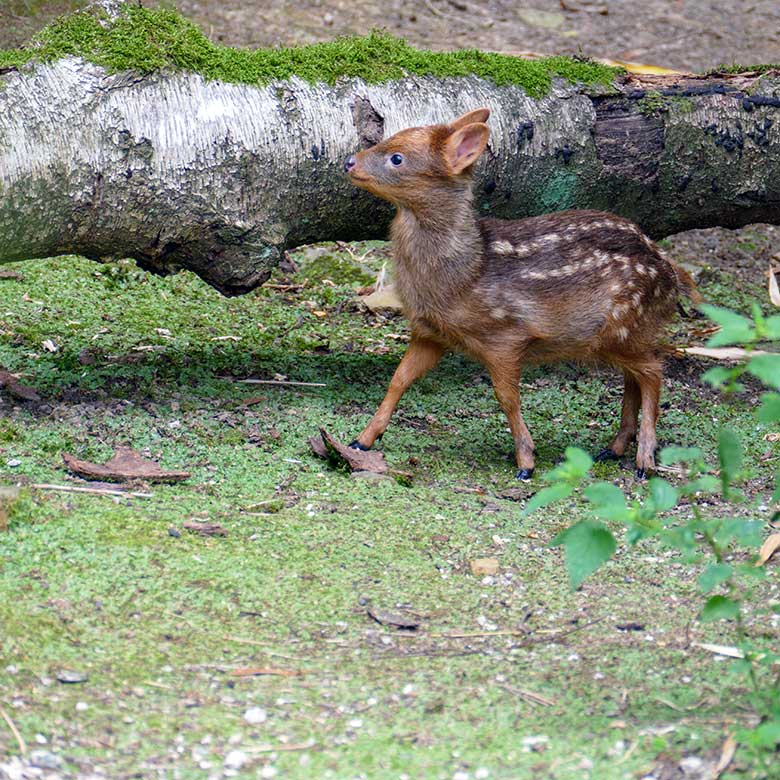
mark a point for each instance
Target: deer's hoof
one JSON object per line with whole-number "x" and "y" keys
{"x": 607, "y": 454}
{"x": 356, "y": 445}
{"x": 524, "y": 475}
{"x": 641, "y": 474}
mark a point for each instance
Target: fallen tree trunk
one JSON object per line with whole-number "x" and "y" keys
{"x": 180, "y": 172}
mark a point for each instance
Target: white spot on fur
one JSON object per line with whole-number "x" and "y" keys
{"x": 498, "y": 313}
{"x": 652, "y": 271}
{"x": 502, "y": 248}
{"x": 640, "y": 269}
{"x": 636, "y": 298}
{"x": 622, "y": 333}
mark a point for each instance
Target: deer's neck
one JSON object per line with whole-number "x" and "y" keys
{"x": 438, "y": 255}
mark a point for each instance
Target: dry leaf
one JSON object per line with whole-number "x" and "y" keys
{"x": 772, "y": 437}
{"x": 774, "y": 291}
{"x": 730, "y": 652}
{"x": 49, "y": 346}
{"x": 725, "y": 353}
{"x": 383, "y": 298}
{"x": 483, "y": 566}
{"x": 770, "y": 546}
{"x": 205, "y": 529}
{"x": 726, "y": 756}
{"x": 326, "y": 446}
{"x": 395, "y": 619}
{"x": 263, "y": 670}
{"x": 6, "y": 274}
{"x": 23, "y": 392}
{"x": 126, "y": 464}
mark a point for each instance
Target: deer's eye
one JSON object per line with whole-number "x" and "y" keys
{"x": 396, "y": 159}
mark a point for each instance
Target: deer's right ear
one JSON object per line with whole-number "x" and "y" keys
{"x": 478, "y": 115}
{"x": 465, "y": 145}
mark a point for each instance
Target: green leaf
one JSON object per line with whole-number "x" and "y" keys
{"x": 734, "y": 328}
{"x": 769, "y": 411}
{"x": 574, "y": 467}
{"x": 717, "y": 376}
{"x": 772, "y": 328}
{"x": 748, "y": 533}
{"x": 715, "y": 574}
{"x": 706, "y": 483}
{"x": 767, "y": 734}
{"x": 588, "y": 545}
{"x": 604, "y": 494}
{"x": 663, "y": 496}
{"x": 766, "y": 368}
{"x": 608, "y": 501}
{"x": 719, "y": 608}
{"x": 545, "y": 496}
{"x": 672, "y": 455}
{"x": 730, "y": 457}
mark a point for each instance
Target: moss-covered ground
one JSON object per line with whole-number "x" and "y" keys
{"x": 157, "y": 620}
{"x": 147, "y": 39}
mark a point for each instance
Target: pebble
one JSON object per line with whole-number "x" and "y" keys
{"x": 43, "y": 759}
{"x": 691, "y": 764}
{"x": 235, "y": 759}
{"x": 255, "y": 715}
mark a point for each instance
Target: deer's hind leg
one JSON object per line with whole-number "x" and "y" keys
{"x": 632, "y": 398}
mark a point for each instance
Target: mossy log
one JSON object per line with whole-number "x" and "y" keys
{"x": 180, "y": 171}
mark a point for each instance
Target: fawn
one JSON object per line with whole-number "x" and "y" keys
{"x": 579, "y": 285}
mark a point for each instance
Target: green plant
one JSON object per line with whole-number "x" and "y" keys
{"x": 717, "y": 543}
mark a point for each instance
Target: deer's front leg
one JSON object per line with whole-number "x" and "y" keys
{"x": 420, "y": 357}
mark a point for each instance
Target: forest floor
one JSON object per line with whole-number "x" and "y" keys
{"x": 133, "y": 646}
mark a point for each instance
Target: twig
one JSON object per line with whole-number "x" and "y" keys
{"x": 91, "y": 491}
{"x": 280, "y": 748}
{"x": 242, "y": 641}
{"x": 280, "y": 382}
{"x": 529, "y": 696}
{"x": 15, "y": 731}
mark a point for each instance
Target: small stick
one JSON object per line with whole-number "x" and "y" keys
{"x": 92, "y": 491}
{"x": 280, "y": 383}
{"x": 530, "y": 696}
{"x": 14, "y": 731}
{"x": 242, "y": 641}
{"x": 280, "y": 748}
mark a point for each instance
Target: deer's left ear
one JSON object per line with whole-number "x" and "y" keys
{"x": 465, "y": 145}
{"x": 478, "y": 115}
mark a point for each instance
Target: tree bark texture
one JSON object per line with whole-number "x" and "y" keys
{"x": 179, "y": 172}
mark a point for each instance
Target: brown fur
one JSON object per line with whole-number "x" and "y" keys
{"x": 583, "y": 285}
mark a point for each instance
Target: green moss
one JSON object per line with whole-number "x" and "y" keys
{"x": 146, "y": 39}
{"x": 736, "y": 67}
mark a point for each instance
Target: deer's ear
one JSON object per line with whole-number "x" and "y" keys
{"x": 478, "y": 115}
{"x": 465, "y": 145}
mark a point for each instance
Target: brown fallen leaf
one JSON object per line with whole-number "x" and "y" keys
{"x": 770, "y": 546}
{"x": 774, "y": 291}
{"x": 325, "y": 446}
{"x": 205, "y": 529}
{"x": 17, "y": 390}
{"x": 263, "y": 670}
{"x": 483, "y": 566}
{"x": 126, "y": 464}
{"x": 382, "y": 299}
{"x": 726, "y": 756}
{"x": 772, "y": 437}
{"x": 394, "y": 619}
{"x": 8, "y": 274}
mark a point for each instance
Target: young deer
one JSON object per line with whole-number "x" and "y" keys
{"x": 573, "y": 285}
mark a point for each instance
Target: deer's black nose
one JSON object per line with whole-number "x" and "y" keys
{"x": 350, "y": 162}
